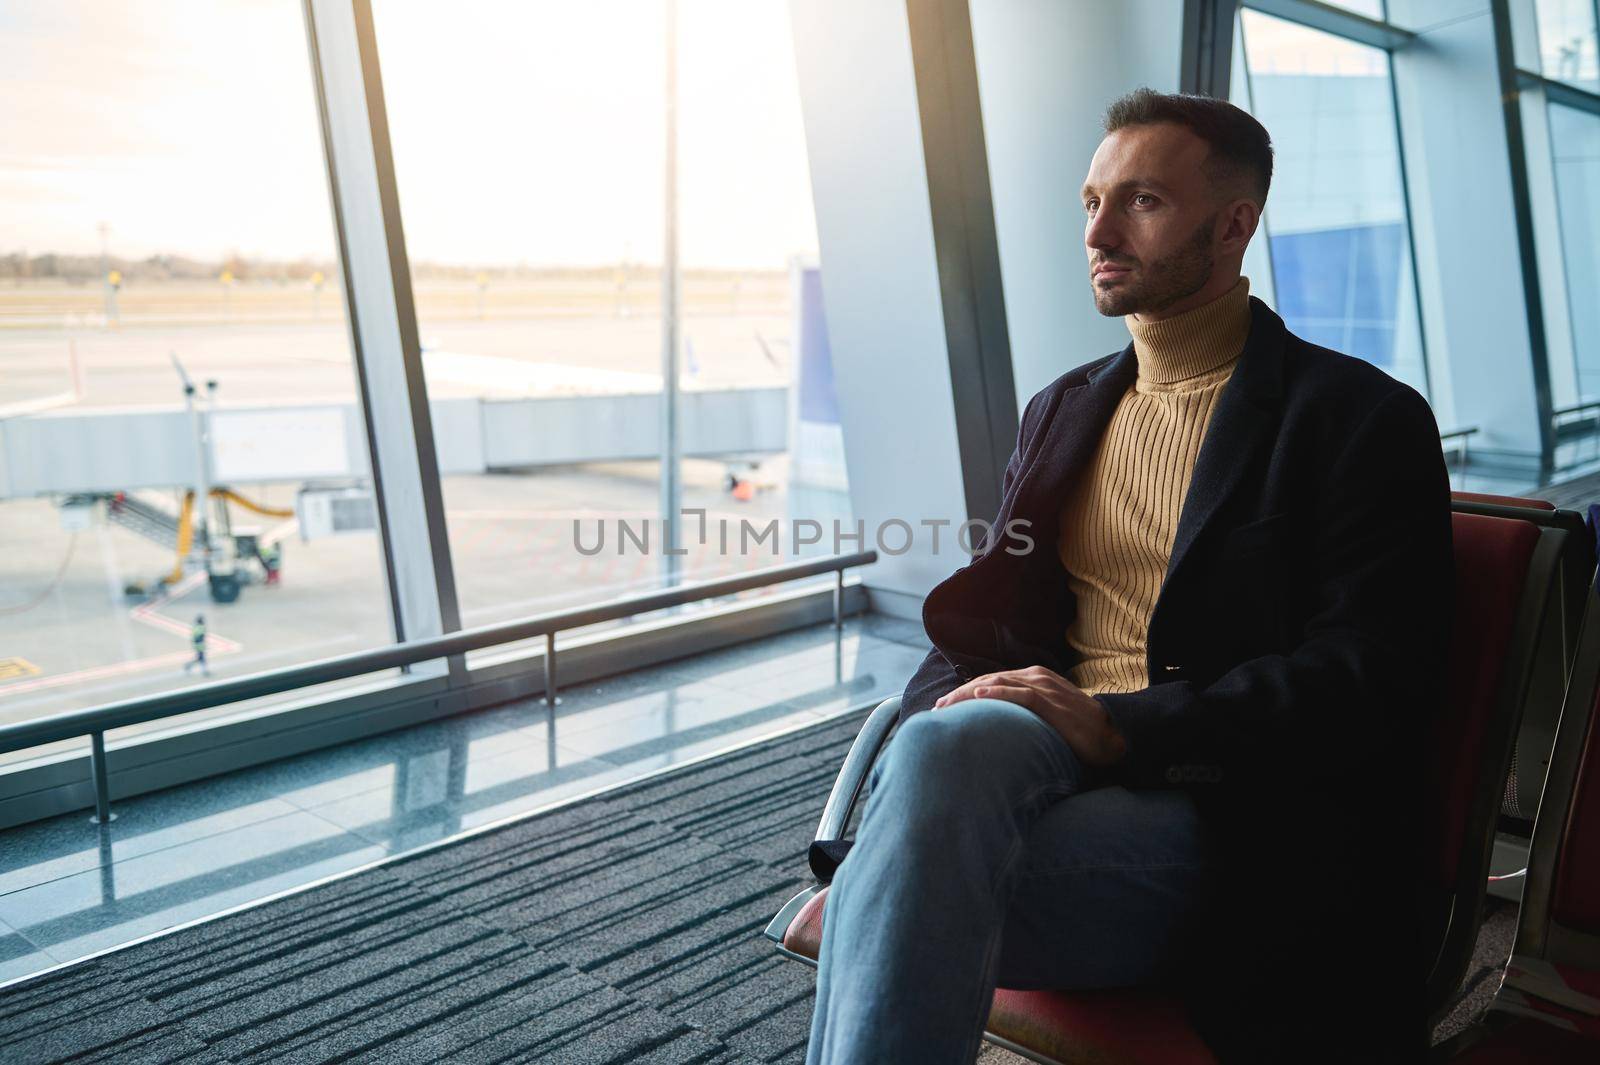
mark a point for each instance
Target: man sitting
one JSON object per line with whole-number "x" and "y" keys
{"x": 1173, "y": 734}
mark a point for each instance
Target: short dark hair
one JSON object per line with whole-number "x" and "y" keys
{"x": 1240, "y": 147}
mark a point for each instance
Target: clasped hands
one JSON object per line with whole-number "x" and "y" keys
{"x": 1078, "y": 716}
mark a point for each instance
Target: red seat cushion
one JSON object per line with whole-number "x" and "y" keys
{"x": 1529, "y": 1042}
{"x": 1125, "y": 1026}
{"x": 1504, "y": 501}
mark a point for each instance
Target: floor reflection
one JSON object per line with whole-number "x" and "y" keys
{"x": 69, "y": 887}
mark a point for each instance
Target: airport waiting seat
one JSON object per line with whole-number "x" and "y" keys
{"x": 1577, "y": 560}
{"x": 1505, "y": 569}
{"x": 1578, "y": 555}
{"x": 1557, "y": 652}
{"x": 1547, "y": 1008}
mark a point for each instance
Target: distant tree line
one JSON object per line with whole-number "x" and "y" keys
{"x": 87, "y": 268}
{"x": 19, "y": 266}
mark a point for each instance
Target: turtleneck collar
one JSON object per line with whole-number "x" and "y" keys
{"x": 1194, "y": 342}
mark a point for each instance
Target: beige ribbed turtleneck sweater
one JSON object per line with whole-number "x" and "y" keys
{"x": 1119, "y": 520}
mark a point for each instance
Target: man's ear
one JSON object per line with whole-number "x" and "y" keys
{"x": 1240, "y": 219}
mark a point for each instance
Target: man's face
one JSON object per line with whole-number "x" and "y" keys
{"x": 1151, "y": 219}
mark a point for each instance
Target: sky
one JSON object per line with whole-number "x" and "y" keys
{"x": 1275, "y": 46}
{"x": 524, "y": 131}
{"x": 529, "y": 132}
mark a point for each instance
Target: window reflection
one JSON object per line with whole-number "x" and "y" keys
{"x": 1335, "y": 222}
{"x": 1567, "y": 42}
{"x": 1372, "y": 9}
{"x": 1575, "y": 151}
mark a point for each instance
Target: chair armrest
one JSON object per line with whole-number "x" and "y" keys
{"x": 847, "y": 787}
{"x": 778, "y": 928}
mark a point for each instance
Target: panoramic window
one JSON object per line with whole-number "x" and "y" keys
{"x": 1336, "y": 226}
{"x": 1567, "y": 42}
{"x": 179, "y": 431}
{"x": 530, "y": 149}
{"x": 1372, "y": 9}
{"x": 1575, "y": 155}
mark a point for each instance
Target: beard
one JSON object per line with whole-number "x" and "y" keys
{"x": 1174, "y": 276}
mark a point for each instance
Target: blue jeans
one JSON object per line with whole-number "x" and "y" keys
{"x": 988, "y": 855}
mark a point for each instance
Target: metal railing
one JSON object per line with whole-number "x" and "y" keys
{"x": 1462, "y": 435}
{"x": 94, "y": 722}
{"x": 1576, "y": 421}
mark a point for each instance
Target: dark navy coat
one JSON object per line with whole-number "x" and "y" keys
{"x": 1295, "y": 649}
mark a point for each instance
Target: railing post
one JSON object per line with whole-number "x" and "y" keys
{"x": 550, "y": 699}
{"x": 102, "y": 790}
{"x": 838, "y": 598}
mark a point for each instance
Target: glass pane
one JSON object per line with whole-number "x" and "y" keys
{"x": 529, "y": 144}
{"x": 1373, "y": 9}
{"x": 164, "y": 211}
{"x": 1575, "y": 147}
{"x": 1567, "y": 42}
{"x": 1336, "y": 214}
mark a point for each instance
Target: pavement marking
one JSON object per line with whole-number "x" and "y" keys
{"x": 12, "y": 668}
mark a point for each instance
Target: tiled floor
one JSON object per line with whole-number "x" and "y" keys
{"x": 69, "y": 888}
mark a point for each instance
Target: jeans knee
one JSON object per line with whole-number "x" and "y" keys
{"x": 968, "y": 745}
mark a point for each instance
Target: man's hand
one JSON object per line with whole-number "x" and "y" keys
{"x": 1071, "y": 711}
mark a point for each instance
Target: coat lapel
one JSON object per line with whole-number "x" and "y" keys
{"x": 963, "y": 613}
{"x": 1245, "y": 422}
{"x": 1076, "y": 426}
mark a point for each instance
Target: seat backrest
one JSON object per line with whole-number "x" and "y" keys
{"x": 1474, "y": 728}
{"x": 1503, "y": 501}
{"x": 1575, "y": 903}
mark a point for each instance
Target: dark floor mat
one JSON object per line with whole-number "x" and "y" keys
{"x": 622, "y": 928}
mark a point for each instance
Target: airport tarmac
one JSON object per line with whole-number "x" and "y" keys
{"x": 301, "y": 361}
{"x": 75, "y": 639}
{"x": 70, "y": 637}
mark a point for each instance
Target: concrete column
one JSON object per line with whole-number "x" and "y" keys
{"x": 881, "y": 287}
